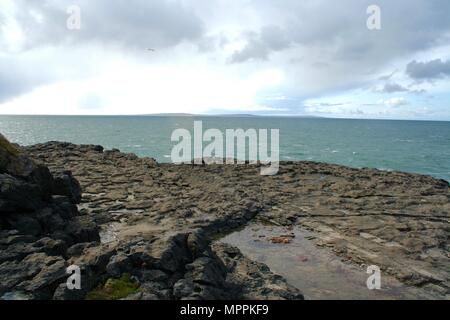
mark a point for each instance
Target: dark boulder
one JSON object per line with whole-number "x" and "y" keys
{"x": 65, "y": 184}
{"x": 17, "y": 164}
{"x": 24, "y": 223}
{"x": 39, "y": 220}
{"x": 19, "y": 195}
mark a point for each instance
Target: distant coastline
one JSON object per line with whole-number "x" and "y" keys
{"x": 222, "y": 115}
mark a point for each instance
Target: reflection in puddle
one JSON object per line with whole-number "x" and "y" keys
{"x": 15, "y": 295}
{"x": 317, "y": 272}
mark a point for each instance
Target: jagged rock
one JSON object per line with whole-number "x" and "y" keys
{"x": 36, "y": 274}
{"x": 256, "y": 286}
{"x": 51, "y": 246}
{"x": 10, "y": 237}
{"x": 47, "y": 279}
{"x": 118, "y": 265}
{"x": 7, "y": 152}
{"x": 184, "y": 288}
{"x": 17, "y": 251}
{"x": 141, "y": 296}
{"x": 157, "y": 290}
{"x": 82, "y": 229}
{"x": 189, "y": 290}
{"x": 38, "y": 220}
{"x": 50, "y": 220}
{"x": 154, "y": 275}
{"x": 197, "y": 243}
{"x": 18, "y": 195}
{"x": 65, "y": 184}
{"x": 24, "y": 223}
{"x": 206, "y": 271}
{"x": 64, "y": 207}
{"x": 170, "y": 255}
{"x": 97, "y": 148}
{"x": 77, "y": 249}
{"x": 15, "y": 163}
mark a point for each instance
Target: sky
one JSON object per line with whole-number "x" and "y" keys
{"x": 265, "y": 57}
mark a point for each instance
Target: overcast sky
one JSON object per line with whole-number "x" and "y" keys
{"x": 268, "y": 57}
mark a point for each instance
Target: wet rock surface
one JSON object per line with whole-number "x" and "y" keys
{"x": 157, "y": 222}
{"x": 329, "y": 277}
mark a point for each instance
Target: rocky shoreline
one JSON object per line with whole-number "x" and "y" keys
{"x": 112, "y": 213}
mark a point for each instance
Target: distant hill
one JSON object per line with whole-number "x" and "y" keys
{"x": 237, "y": 115}
{"x": 199, "y": 115}
{"x": 169, "y": 115}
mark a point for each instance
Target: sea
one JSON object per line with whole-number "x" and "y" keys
{"x": 409, "y": 146}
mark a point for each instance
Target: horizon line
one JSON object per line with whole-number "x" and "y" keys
{"x": 235, "y": 115}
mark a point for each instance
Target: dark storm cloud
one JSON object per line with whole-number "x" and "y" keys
{"x": 11, "y": 86}
{"x": 394, "y": 87}
{"x": 118, "y": 25}
{"x": 132, "y": 23}
{"x": 429, "y": 70}
{"x": 322, "y": 47}
{"x": 17, "y": 78}
{"x": 337, "y": 29}
{"x": 260, "y": 45}
{"x": 387, "y": 77}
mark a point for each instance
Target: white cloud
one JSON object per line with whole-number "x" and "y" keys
{"x": 394, "y": 102}
{"x": 310, "y": 50}
{"x": 145, "y": 90}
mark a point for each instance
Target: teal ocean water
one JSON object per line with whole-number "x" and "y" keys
{"x": 411, "y": 146}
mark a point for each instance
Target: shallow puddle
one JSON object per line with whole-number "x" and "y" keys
{"x": 317, "y": 272}
{"x": 15, "y": 295}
